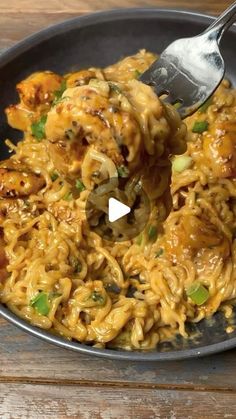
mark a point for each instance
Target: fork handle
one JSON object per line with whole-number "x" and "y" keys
{"x": 222, "y": 23}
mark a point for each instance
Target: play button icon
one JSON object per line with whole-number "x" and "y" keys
{"x": 116, "y": 210}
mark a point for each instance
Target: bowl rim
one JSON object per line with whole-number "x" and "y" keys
{"x": 23, "y": 46}
{"x": 97, "y": 17}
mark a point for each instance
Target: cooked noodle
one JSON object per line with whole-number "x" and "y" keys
{"x": 56, "y": 272}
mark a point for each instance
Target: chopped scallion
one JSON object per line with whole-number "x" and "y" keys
{"x": 181, "y": 163}
{"x": 54, "y": 176}
{"x": 79, "y": 185}
{"x": 200, "y": 126}
{"x": 137, "y": 74}
{"x": 27, "y": 203}
{"x": 177, "y": 105}
{"x": 58, "y": 93}
{"x": 123, "y": 171}
{"x": 40, "y": 303}
{"x": 139, "y": 240}
{"x": 152, "y": 233}
{"x": 198, "y": 293}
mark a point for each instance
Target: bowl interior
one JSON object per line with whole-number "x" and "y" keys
{"x": 99, "y": 40}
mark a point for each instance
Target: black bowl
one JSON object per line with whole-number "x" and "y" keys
{"x": 98, "y": 40}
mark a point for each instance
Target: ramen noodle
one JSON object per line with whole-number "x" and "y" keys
{"x": 79, "y": 130}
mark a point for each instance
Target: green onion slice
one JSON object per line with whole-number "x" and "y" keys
{"x": 102, "y": 85}
{"x": 198, "y": 293}
{"x": 200, "y": 126}
{"x": 181, "y": 163}
{"x": 41, "y": 303}
{"x": 68, "y": 196}
{"x": 38, "y": 128}
{"x": 54, "y": 176}
{"x": 58, "y": 93}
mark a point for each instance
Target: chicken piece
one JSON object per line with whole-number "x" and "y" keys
{"x": 91, "y": 115}
{"x": 130, "y": 67}
{"x": 39, "y": 89}
{"x": 126, "y": 122}
{"x": 219, "y": 146}
{"x": 79, "y": 78}
{"x": 37, "y": 93}
{"x": 62, "y": 212}
{"x": 8, "y": 205}
{"x": 19, "y": 117}
{"x": 67, "y": 156}
{"x": 19, "y": 183}
{"x": 191, "y": 235}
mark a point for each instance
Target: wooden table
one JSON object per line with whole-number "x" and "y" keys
{"x": 38, "y": 380}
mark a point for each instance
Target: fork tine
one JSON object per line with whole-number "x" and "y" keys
{"x": 165, "y": 78}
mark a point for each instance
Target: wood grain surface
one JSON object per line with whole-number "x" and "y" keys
{"x": 38, "y": 380}
{"x": 85, "y": 402}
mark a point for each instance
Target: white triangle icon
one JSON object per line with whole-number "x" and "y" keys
{"x": 116, "y": 209}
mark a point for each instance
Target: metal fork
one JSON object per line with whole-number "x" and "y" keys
{"x": 190, "y": 69}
